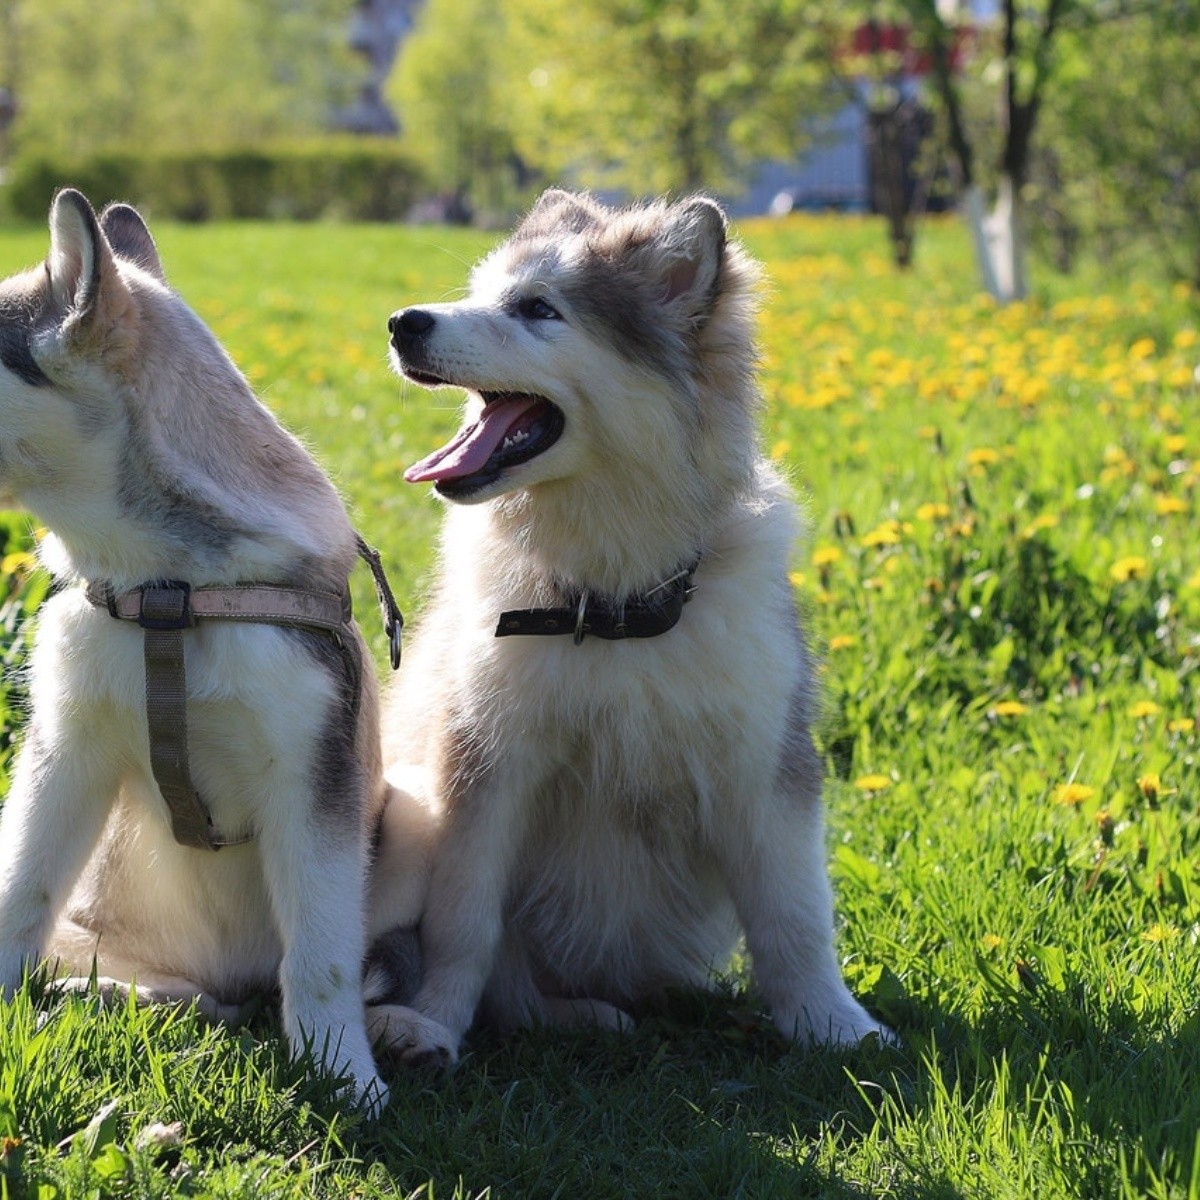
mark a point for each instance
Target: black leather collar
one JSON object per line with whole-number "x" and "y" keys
{"x": 639, "y": 616}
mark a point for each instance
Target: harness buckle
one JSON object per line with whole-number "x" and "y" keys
{"x": 167, "y": 606}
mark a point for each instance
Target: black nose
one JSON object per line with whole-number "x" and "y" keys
{"x": 410, "y": 323}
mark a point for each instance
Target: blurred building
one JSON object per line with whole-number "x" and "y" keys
{"x": 376, "y": 30}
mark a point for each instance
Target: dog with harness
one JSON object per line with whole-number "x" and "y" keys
{"x": 198, "y": 800}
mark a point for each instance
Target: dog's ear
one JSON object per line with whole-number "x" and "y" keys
{"x": 77, "y": 253}
{"x": 684, "y": 256}
{"x": 130, "y": 238}
{"x": 557, "y": 212}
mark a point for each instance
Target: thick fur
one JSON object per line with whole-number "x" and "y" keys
{"x": 615, "y": 814}
{"x": 126, "y": 428}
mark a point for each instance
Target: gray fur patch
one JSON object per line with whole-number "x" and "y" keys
{"x": 338, "y": 784}
{"x": 20, "y": 314}
{"x": 392, "y": 971}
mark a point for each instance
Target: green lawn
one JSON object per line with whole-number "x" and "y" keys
{"x": 1003, "y": 579}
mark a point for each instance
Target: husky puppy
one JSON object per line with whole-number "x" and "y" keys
{"x": 126, "y": 428}
{"x": 609, "y": 692}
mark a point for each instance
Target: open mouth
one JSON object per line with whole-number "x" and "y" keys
{"x": 513, "y": 428}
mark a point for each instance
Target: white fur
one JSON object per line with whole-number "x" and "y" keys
{"x": 149, "y": 458}
{"x": 616, "y": 812}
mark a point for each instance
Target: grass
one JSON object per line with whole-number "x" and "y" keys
{"x": 1004, "y": 581}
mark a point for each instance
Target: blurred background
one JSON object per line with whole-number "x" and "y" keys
{"x": 1065, "y": 126}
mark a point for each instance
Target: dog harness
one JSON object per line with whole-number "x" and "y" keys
{"x": 639, "y": 616}
{"x": 165, "y": 610}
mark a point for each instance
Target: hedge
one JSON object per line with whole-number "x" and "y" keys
{"x": 337, "y": 178}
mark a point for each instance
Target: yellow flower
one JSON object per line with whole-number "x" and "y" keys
{"x": 1158, "y": 933}
{"x": 1185, "y": 338}
{"x": 1134, "y": 566}
{"x": 1072, "y": 793}
{"x": 985, "y": 456}
{"x": 1040, "y": 522}
{"x": 1194, "y": 581}
{"x": 1175, "y": 444}
{"x": 1181, "y": 725}
{"x": 19, "y": 563}
{"x": 1150, "y": 785}
{"x": 842, "y": 641}
{"x": 887, "y": 534}
{"x": 781, "y": 449}
{"x": 1141, "y": 349}
{"x": 933, "y": 512}
{"x": 1010, "y": 708}
{"x": 1167, "y": 506}
{"x": 1144, "y": 708}
{"x": 825, "y": 556}
{"x": 872, "y": 783}
{"x": 797, "y": 579}
{"x": 990, "y": 941}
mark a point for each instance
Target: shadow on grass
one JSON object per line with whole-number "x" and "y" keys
{"x": 703, "y": 1099}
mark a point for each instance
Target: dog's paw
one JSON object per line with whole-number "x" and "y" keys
{"x": 411, "y": 1038}
{"x": 845, "y": 1024}
{"x": 370, "y": 1093}
{"x": 597, "y": 1013}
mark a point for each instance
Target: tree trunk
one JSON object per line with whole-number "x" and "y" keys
{"x": 1000, "y": 240}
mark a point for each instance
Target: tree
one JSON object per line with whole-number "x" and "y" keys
{"x": 174, "y": 73}
{"x": 1123, "y": 147}
{"x": 1025, "y": 61}
{"x": 450, "y": 91}
{"x": 659, "y": 95}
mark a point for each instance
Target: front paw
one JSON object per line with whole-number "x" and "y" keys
{"x": 415, "y": 1040}
{"x": 844, "y": 1024}
{"x": 370, "y": 1093}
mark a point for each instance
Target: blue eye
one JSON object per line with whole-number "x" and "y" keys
{"x": 534, "y": 308}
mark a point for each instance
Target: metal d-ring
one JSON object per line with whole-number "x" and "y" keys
{"x": 583, "y": 599}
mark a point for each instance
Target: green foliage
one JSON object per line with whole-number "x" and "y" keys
{"x": 347, "y": 178}
{"x": 172, "y": 74}
{"x": 1003, "y": 584}
{"x": 660, "y": 94}
{"x": 450, "y": 89}
{"x": 1122, "y": 161}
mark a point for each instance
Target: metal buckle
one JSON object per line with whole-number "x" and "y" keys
{"x": 167, "y": 606}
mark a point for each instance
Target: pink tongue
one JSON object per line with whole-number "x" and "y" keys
{"x": 469, "y": 450}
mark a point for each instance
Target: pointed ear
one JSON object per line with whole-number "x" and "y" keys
{"x": 559, "y": 211}
{"x": 130, "y": 239}
{"x": 79, "y": 255}
{"x": 686, "y": 254}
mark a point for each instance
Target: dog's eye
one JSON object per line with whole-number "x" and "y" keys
{"x": 534, "y": 308}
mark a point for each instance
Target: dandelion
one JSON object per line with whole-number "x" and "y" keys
{"x": 1194, "y": 581}
{"x": 1144, "y": 708}
{"x": 1072, "y": 794}
{"x": 1185, "y": 338}
{"x": 887, "y": 534}
{"x": 1150, "y": 785}
{"x": 1010, "y": 708}
{"x": 826, "y": 556}
{"x": 985, "y": 456}
{"x": 933, "y": 512}
{"x": 1133, "y": 566}
{"x": 842, "y": 641}
{"x": 991, "y": 942}
{"x": 1040, "y": 522}
{"x": 872, "y": 783}
{"x": 1142, "y": 349}
{"x": 797, "y": 579}
{"x": 1169, "y": 506}
{"x": 1158, "y": 933}
{"x": 1181, "y": 725}
{"x": 781, "y": 449}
